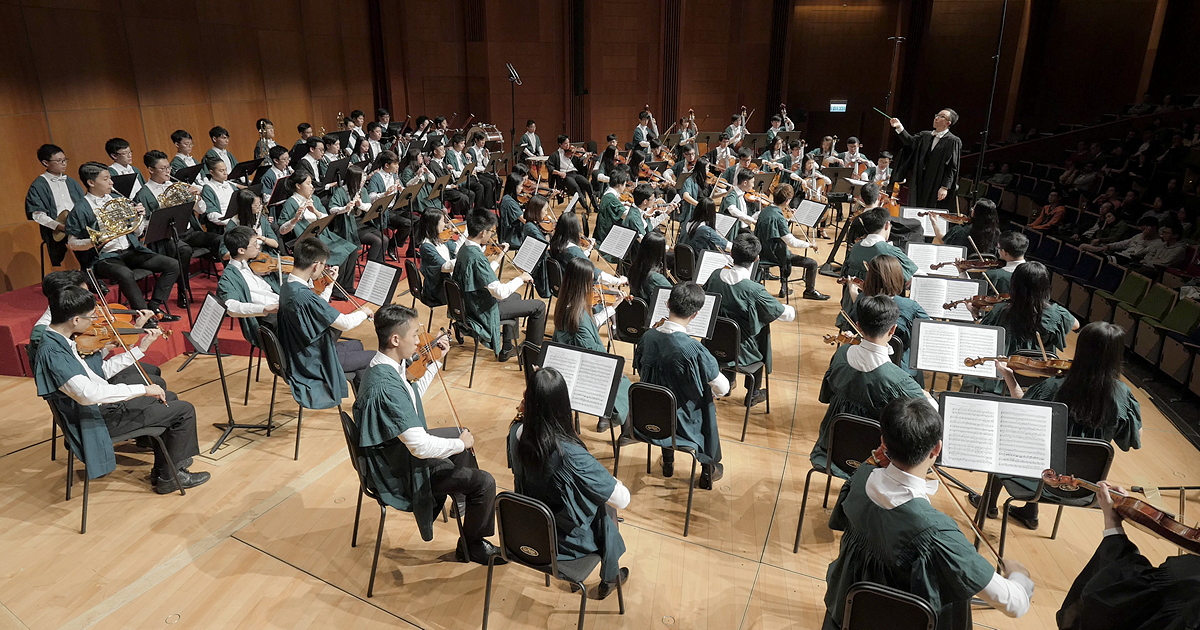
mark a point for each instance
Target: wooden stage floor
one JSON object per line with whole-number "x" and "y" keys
{"x": 266, "y": 543}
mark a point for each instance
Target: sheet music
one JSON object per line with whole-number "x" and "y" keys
{"x": 724, "y": 223}
{"x": 616, "y": 244}
{"x": 969, "y": 433}
{"x": 925, "y": 254}
{"x": 808, "y": 213}
{"x": 699, "y": 326}
{"x": 926, "y": 222}
{"x": 589, "y": 376}
{"x": 942, "y": 347}
{"x": 1024, "y": 439}
{"x": 375, "y": 285}
{"x": 571, "y": 204}
{"x": 208, "y": 321}
{"x": 931, "y": 293}
{"x": 530, "y": 253}
{"x": 710, "y": 261}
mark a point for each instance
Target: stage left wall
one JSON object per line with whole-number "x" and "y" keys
{"x": 76, "y": 73}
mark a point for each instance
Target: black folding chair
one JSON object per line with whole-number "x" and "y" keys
{"x": 366, "y": 486}
{"x": 632, "y": 320}
{"x": 685, "y": 262}
{"x": 871, "y": 606}
{"x": 554, "y": 275}
{"x": 851, "y": 439}
{"x": 279, "y": 368}
{"x": 724, "y": 345}
{"x": 458, "y": 315}
{"x": 416, "y": 286}
{"x": 652, "y": 417}
{"x": 528, "y": 537}
{"x": 31, "y": 353}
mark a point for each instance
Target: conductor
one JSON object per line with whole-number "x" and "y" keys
{"x": 933, "y": 162}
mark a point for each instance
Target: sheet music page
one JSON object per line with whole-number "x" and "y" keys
{"x": 616, "y": 244}
{"x": 930, "y": 293}
{"x": 978, "y": 341}
{"x": 1024, "y": 439}
{"x": 208, "y": 321}
{"x": 710, "y": 261}
{"x": 724, "y": 223}
{"x": 938, "y": 348}
{"x": 925, "y": 255}
{"x": 969, "y": 433}
{"x": 589, "y": 377}
{"x": 809, "y": 212}
{"x": 926, "y": 222}
{"x": 530, "y": 253}
{"x": 956, "y": 290}
{"x": 698, "y": 327}
{"x": 376, "y": 283}
{"x": 565, "y": 360}
{"x": 571, "y": 204}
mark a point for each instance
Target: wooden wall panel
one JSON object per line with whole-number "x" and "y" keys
{"x": 238, "y": 117}
{"x": 159, "y": 123}
{"x": 232, "y": 64}
{"x": 284, "y": 75}
{"x": 82, "y": 134}
{"x": 18, "y": 168}
{"x": 20, "y": 94}
{"x": 165, "y": 76}
{"x": 88, "y": 67}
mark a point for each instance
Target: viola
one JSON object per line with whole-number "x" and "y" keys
{"x": 891, "y": 202}
{"x": 95, "y": 338}
{"x": 858, "y": 282}
{"x": 980, "y": 302}
{"x": 972, "y": 265}
{"x": 948, "y": 217}
{"x": 1143, "y": 515}
{"x": 843, "y": 337}
{"x": 1027, "y": 366}
{"x": 758, "y": 198}
{"x": 427, "y": 353}
{"x": 601, "y": 296}
{"x": 264, "y": 264}
{"x": 456, "y": 229}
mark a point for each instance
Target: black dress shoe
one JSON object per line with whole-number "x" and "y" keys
{"x": 186, "y": 479}
{"x": 668, "y": 467}
{"x": 606, "y": 588}
{"x": 760, "y": 397}
{"x": 813, "y": 294}
{"x": 718, "y": 471}
{"x": 603, "y": 425}
{"x": 626, "y": 440}
{"x": 164, "y": 316}
{"x": 705, "y": 480}
{"x": 1023, "y": 518}
{"x": 482, "y": 550}
{"x": 784, "y": 292}
{"x": 506, "y": 353}
{"x": 975, "y": 499}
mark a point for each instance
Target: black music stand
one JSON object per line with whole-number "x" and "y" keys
{"x": 671, "y": 140}
{"x": 188, "y": 174}
{"x": 335, "y": 173}
{"x": 243, "y": 170}
{"x": 755, "y": 141}
{"x": 164, "y": 224}
{"x": 205, "y": 341}
{"x": 708, "y": 138}
{"x": 788, "y": 136}
{"x": 315, "y": 228}
{"x": 438, "y": 186}
{"x": 260, "y": 171}
{"x": 377, "y": 207}
{"x": 123, "y": 184}
{"x": 279, "y": 195}
{"x": 762, "y": 181}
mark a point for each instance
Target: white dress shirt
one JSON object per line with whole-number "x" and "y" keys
{"x": 420, "y": 443}
{"x": 84, "y": 244}
{"x": 891, "y": 487}
{"x": 261, "y": 293}
{"x": 565, "y": 165}
{"x": 720, "y": 384}
{"x": 738, "y": 209}
{"x": 224, "y": 192}
{"x": 128, "y": 170}
{"x": 224, "y": 155}
{"x": 443, "y": 250}
{"x": 90, "y": 388}
{"x": 62, "y": 200}
{"x": 739, "y": 273}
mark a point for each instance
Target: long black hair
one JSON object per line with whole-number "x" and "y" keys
{"x": 573, "y": 302}
{"x": 243, "y": 201}
{"x": 1030, "y": 292}
{"x": 547, "y": 422}
{"x": 354, "y": 180}
{"x": 429, "y": 227}
{"x": 512, "y": 184}
{"x": 567, "y": 232}
{"x": 650, "y": 258}
{"x": 985, "y": 226}
{"x": 704, "y": 213}
{"x": 1089, "y": 387}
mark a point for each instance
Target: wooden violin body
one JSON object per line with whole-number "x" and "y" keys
{"x": 456, "y": 229}
{"x": 843, "y": 337}
{"x": 1027, "y": 366}
{"x": 980, "y": 302}
{"x": 948, "y": 217}
{"x": 858, "y": 282}
{"x": 972, "y": 265}
{"x": 891, "y": 202}
{"x": 427, "y": 353}
{"x": 608, "y": 297}
{"x": 104, "y": 331}
{"x": 264, "y": 264}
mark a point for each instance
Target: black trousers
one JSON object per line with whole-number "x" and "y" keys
{"x": 182, "y": 254}
{"x": 461, "y": 201}
{"x": 56, "y": 250}
{"x": 353, "y": 358}
{"x": 120, "y": 268}
{"x": 373, "y": 241}
{"x": 474, "y": 190}
{"x": 177, "y": 416}
{"x": 460, "y": 475}
{"x": 513, "y": 307}
{"x": 401, "y": 222}
{"x": 131, "y": 376}
{"x": 810, "y": 269}
{"x": 490, "y": 185}
{"x": 578, "y": 184}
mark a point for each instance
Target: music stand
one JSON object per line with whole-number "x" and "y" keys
{"x": 335, "y": 172}
{"x": 188, "y": 174}
{"x": 315, "y": 228}
{"x": 203, "y": 337}
{"x": 763, "y": 180}
{"x": 438, "y": 186}
{"x": 406, "y": 196}
{"x": 755, "y": 140}
{"x": 788, "y": 136}
{"x": 260, "y": 171}
{"x": 243, "y": 170}
{"x": 279, "y": 195}
{"x": 497, "y": 158}
{"x": 708, "y": 138}
{"x": 377, "y": 208}
{"x": 123, "y": 184}
{"x": 671, "y": 140}
{"x": 164, "y": 224}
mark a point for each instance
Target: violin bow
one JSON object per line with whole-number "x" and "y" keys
{"x": 970, "y": 520}
{"x": 1041, "y": 346}
{"x": 108, "y": 319}
{"x": 450, "y": 400}
{"x": 852, "y": 324}
{"x": 984, "y": 274}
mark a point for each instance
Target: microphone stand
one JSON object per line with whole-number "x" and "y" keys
{"x": 514, "y": 80}
{"x": 987, "y": 122}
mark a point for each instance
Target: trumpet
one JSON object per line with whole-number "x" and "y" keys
{"x": 341, "y": 122}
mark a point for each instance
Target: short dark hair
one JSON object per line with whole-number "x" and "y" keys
{"x": 687, "y": 298}
{"x": 313, "y": 142}
{"x": 876, "y": 314}
{"x": 47, "y": 151}
{"x": 641, "y": 193}
{"x": 745, "y": 249}
{"x": 852, "y": 140}
{"x": 562, "y": 137}
{"x": 874, "y": 219}
{"x": 776, "y": 118}
{"x": 723, "y": 136}
{"x": 391, "y": 319}
{"x": 179, "y": 135}
{"x": 261, "y": 124}
{"x": 885, "y": 155}
{"x": 211, "y": 162}
{"x": 114, "y": 145}
{"x": 529, "y": 122}
{"x": 357, "y": 114}
{"x": 1172, "y": 224}
{"x": 89, "y": 171}
{"x": 307, "y": 251}
{"x": 328, "y": 140}
{"x": 239, "y": 237}
{"x": 302, "y": 127}
{"x": 479, "y": 222}
{"x": 744, "y": 176}
{"x": 217, "y": 132}
{"x": 910, "y": 428}
{"x": 643, "y": 115}
{"x": 1143, "y": 222}
{"x": 277, "y": 152}
{"x": 56, "y": 281}
{"x": 71, "y": 302}
{"x": 1015, "y": 243}
{"x": 381, "y": 112}
{"x": 745, "y": 152}
{"x": 618, "y": 178}
{"x": 869, "y": 193}
{"x": 372, "y": 126}
{"x": 456, "y": 138}
{"x": 953, "y": 115}
{"x": 152, "y": 157}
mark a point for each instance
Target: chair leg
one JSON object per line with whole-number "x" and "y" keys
{"x": 767, "y": 385}
{"x": 271, "y": 409}
{"x": 803, "y": 508}
{"x": 53, "y": 439}
{"x": 1004, "y": 525}
{"x": 612, "y": 434}
{"x": 828, "y": 482}
{"x": 258, "y": 367}
{"x": 87, "y": 486}
{"x": 299, "y": 419}
{"x": 1057, "y": 520}
{"x": 547, "y": 580}
{"x": 750, "y": 398}
{"x": 357, "y": 516}
{"x": 378, "y": 543}
{"x": 687, "y": 519}
{"x": 249, "y": 369}
{"x": 70, "y": 472}
{"x": 649, "y": 454}
{"x": 487, "y": 592}
{"x": 474, "y": 355}
{"x": 582, "y": 604}
{"x": 620, "y": 596}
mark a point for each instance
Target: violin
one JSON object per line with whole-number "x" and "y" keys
{"x": 264, "y": 264}
{"x": 101, "y": 332}
{"x": 948, "y": 217}
{"x": 456, "y": 229}
{"x": 879, "y": 458}
{"x": 891, "y": 202}
{"x": 427, "y": 353}
{"x": 971, "y": 265}
{"x": 1027, "y": 366}
{"x": 608, "y": 297}
{"x": 1143, "y": 515}
{"x": 493, "y": 249}
{"x": 858, "y": 282}
{"x": 322, "y": 282}
{"x": 843, "y": 337}
{"x": 980, "y": 302}
{"x": 758, "y": 198}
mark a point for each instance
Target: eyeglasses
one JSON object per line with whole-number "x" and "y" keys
{"x": 59, "y": 161}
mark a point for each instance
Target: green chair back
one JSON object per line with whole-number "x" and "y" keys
{"x": 1132, "y": 288}
{"x": 1157, "y": 302}
{"x": 1184, "y": 318}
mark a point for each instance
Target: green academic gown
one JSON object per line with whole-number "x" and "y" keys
{"x": 575, "y": 487}
{"x": 422, "y": 200}
{"x": 685, "y": 366}
{"x": 318, "y": 381}
{"x": 433, "y": 279}
{"x": 1000, "y": 278}
{"x": 376, "y": 186}
{"x": 264, "y": 224}
{"x": 750, "y": 305}
{"x": 847, "y": 390}
{"x": 588, "y": 338}
{"x": 912, "y": 547}
{"x": 473, "y": 273}
{"x": 910, "y": 312}
{"x": 573, "y": 251}
{"x": 383, "y": 409}
{"x": 650, "y": 286}
{"x": 87, "y": 434}
{"x": 541, "y": 283}
{"x": 213, "y": 153}
{"x": 856, "y": 265}
{"x": 727, "y": 202}
{"x": 178, "y": 163}
{"x": 509, "y": 230}
{"x": 345, "y": 225}
{"x": 704, "y": 238}
{"x": 41, "y": 199}
{"x": 232, "y": 286}
{"x": 340, "y": 249}
{"x": 607, "y": 215}
{"x": 1055, "y": 326}
{"x": 770, "y": 229}
{"x": 692, "y": 188}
